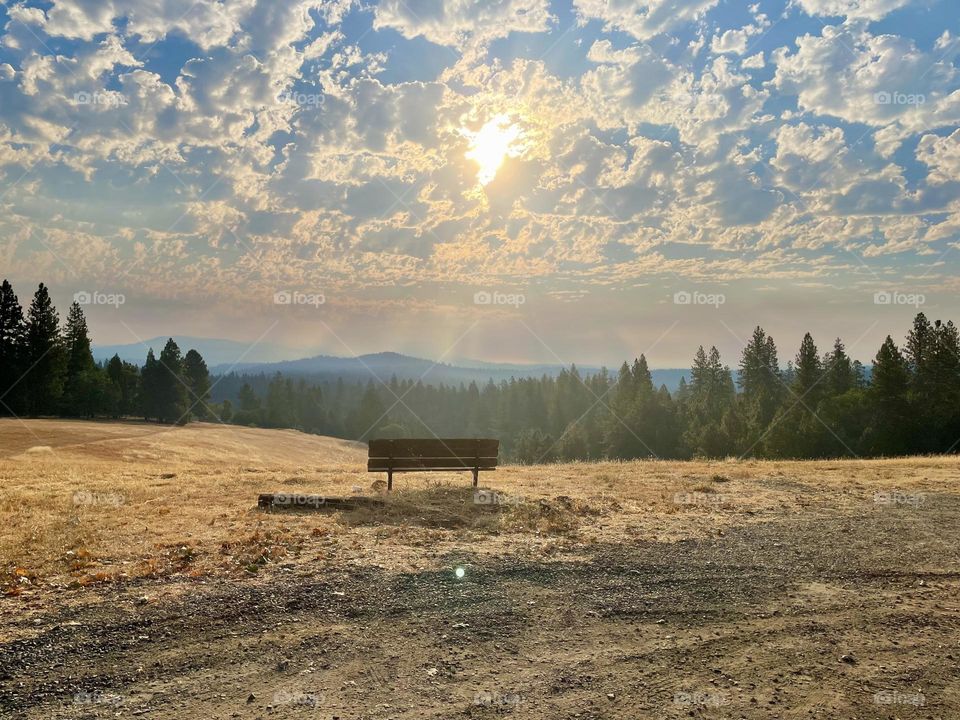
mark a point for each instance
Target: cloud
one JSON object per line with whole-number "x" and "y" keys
{"x": 754, "y": 62}
{"x": 942, "y": 156}
{"x": 282, "y": 148}
{"x": 457, "y": 22}
{"x": 736, "y": 42}
{"x": 643, "y": 19}
{"x": 853, "y": 9}
{"x": 850, "y": 74}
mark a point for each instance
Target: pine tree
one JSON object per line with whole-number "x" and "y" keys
{"x": 125, "y": 378}
{"x": 620, "y": 400}
{"x": 843, "y": 407}
{"x": 573, "y": 443}
{"x": 534, "y": 446}
{"x": 312, "y": 412}
{"x": 762, "y": 388}
{"x": 796, "y": 431}
{"x": 371, "y": 415}
{"x": 712, "y": 396}
{"x": 839, "y": 371}
{"x": 890, "y": 428}
{"x": 151, "y": 387}
{"x": 918, "y": 353}
{"x": 642, "y": 379}
{"x": 280, "y": 403}
{"x": 638, "y": 421}
{"x": 84, "y": 386}
{"x": 13, "y": 352}
{"x": 809, "y": 372}
{"x": 249, "y": 401}
{"x": 250, "y": 412}
{"x": 173, "y": 405}
{"x": 197, "y": 378}
{"x": 46, "y": 360}
{"x": 942, "y": 417}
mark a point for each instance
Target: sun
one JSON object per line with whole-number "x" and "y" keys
{"x": 497, "y": 140}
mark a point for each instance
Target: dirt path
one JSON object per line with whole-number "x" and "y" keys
{"x": 852, "y": 614}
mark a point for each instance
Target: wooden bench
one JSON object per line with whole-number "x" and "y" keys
{"x": 433, "y": 455}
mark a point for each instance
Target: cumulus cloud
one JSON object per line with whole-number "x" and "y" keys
{"x": 847, "y": 73}
{"x": 853, "y": 9}
{"x": 646, "y": 18}
{"x": 206, "y": 22}
{"x": 942, "y": 156}
{"x": 456, "y": 22}
{"x": 736, "y": 42}
{"x": 754, "y": 62}
{"x": 280, "y": 142}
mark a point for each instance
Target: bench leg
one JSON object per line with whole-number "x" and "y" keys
{"x": 389, "y": 480}
{"x": 476, "y": 476}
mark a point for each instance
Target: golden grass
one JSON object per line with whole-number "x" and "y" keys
{"x": 112, "y": 501}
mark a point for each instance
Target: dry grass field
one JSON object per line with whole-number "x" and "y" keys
{"x": 139, "y": 579}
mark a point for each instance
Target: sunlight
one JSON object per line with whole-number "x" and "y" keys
{"x": 497, "y": 140}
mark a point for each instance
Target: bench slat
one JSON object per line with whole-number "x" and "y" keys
{"x": 433, "y": 448}
{"x": 384, "y": 464}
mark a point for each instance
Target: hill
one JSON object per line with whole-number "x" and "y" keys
{"x": 215, "y": 351}
{"x": 385, "y": 365}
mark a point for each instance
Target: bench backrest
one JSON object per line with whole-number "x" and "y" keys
{"x": 433, "y": 454}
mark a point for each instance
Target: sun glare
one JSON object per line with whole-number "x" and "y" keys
{"x": 497, "y": 140}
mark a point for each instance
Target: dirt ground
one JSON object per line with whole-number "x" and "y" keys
{"x": 140, "y": 580}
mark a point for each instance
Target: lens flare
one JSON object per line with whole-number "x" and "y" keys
{"x": 459, "y": 572}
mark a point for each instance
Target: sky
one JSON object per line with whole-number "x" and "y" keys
{"x": 508, "y": 180}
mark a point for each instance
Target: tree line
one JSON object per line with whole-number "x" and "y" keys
{"x": 817, "y": 405}
{"x": 49, "y": 370}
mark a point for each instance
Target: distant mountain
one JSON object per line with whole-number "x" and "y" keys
{"x": 216, "y": 352}
{"x": 386, "y": 365}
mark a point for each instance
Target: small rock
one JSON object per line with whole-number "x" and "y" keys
{"x": 848, "y": 659}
